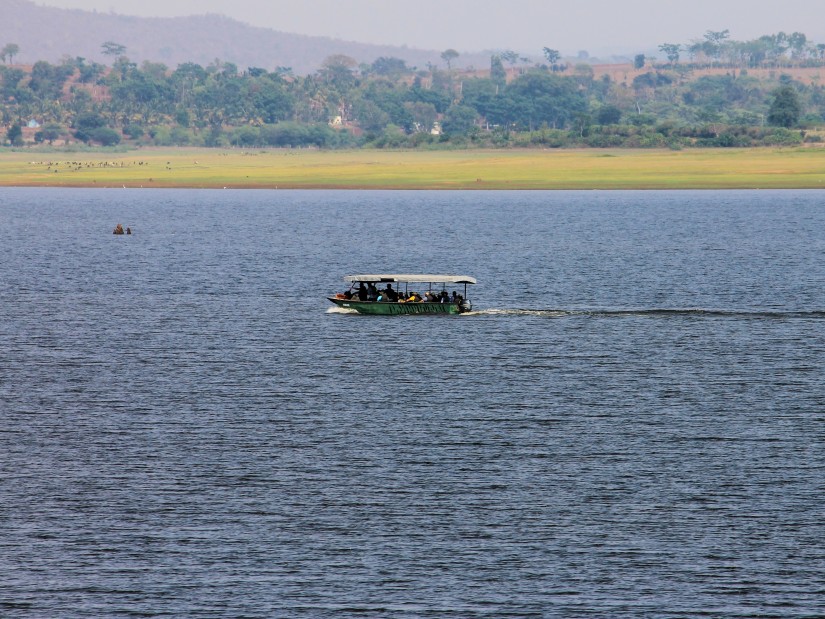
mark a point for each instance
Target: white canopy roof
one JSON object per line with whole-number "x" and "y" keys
{"x": 406, "y": 277}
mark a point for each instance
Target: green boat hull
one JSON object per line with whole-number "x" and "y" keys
{"x": 379, "y": 308}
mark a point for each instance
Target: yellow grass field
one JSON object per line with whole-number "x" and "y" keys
{"x": 756, "y": 168}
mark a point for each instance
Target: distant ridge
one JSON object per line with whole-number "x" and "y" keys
{"x": 48, "y": 33}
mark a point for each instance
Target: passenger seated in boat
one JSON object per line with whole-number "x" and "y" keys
{"x": 444, "y": 297}
{"x": 413, "y": 297}
{"x": 389, "y": 294}
{"x": 362, "y": 292}
{"x": 372, "y": 292}
{"x": 429, "y": 297}
{"x": 454, "y": 297}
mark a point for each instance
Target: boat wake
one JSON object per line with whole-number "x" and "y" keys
{"x": 340, "y": 310}
{"x": 652, "y": 312}
{"x": 629, "y": 313}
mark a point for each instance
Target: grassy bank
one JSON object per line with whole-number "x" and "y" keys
{"x": 370, "y": 169}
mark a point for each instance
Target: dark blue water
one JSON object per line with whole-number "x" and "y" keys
{"x": 631, "y": 425}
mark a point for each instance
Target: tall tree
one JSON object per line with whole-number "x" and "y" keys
{"x": 715, "y": 42}
{"x": 459, "y": 119}
{"x": 671, "y": 50}
{"x": 448, "y": 55}
{"x": 422, "y": 116}
{"x": 497, "y": 73}
{"x": 10, "y": 50}
{"x": 785, "y": 108}
{"x": 15, "y": 135}
{"x": 797, "y": 41}
{"x": 110, "y": 48}
{"x": 553, "y": 56}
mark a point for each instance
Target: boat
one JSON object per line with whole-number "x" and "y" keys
{"x": 374, "y": 294}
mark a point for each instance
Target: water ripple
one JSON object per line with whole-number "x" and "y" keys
{"x": 189, "y": 431}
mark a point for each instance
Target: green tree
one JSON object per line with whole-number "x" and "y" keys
{"x": 389, "y": 66}
{"x": 105, "y": 136}
{"x": 422, "y": 115}
{"x": 459, "y": 120}
{"x": 671, "y": 50}
{"x": 89, "y": 72}
{"x": 184, "y": 80}
{"x": 86, "y": 123}
{"x": 369, "y": 116}
{"x": 10, "y": 51}
{"x": 797, "y": 41}
{"x": 535, "y": 99}
{"x": 510, "y": 57}
{"x": 497, "y": 73}
{"x": 11, "y": 79}
{"x": 785, "y": 108}
{"x": 50, "y": 133}
{"x": 608, "y": 115}
{"x": 479, "y": 92}
{"x": 448, "y": 55}
{"x": 110, "y": 48}
{"x": 271, "y": 100}
{"x": 47, "y": 80}
{"x": 133, "y": 131}
{"x": 553, "y": 56}
{"x": 715, "y": 42}
{"x": 15, "y": 135}
{"x": 639, "y": 61}
{"x": 337, "y": 79}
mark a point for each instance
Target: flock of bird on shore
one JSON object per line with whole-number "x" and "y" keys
{"x": 75, "y": 166}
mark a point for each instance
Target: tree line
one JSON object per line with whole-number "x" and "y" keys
{"x": 387, "y": 104}
{"x": 768, "y": 51}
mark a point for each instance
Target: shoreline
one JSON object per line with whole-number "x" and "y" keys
{"x": 482, "y": 170}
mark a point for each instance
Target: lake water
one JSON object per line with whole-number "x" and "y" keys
{"x": 632, "y": 423}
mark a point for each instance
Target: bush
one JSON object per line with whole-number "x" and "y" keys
{"x": 161, "y": 136}
{"x": 290, "y": 134}
{"x": 597, "y": 140}
{"x": 105, "y": 136}
{"x": 245, "y": 136}
{"x": 133, "y": 131}
{"x": 420, "y": 139}
{"x": 391, "y": 137}
{"x": 782, "y": 137}
{"x": 181, "y": 136}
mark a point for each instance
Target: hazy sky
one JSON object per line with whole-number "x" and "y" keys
{"x": 598, "y": 26}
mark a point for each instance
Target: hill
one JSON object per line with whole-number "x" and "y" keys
{"x": 48, "y": 33}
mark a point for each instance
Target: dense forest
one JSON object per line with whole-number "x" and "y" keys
{"x": 725, "y": 93}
